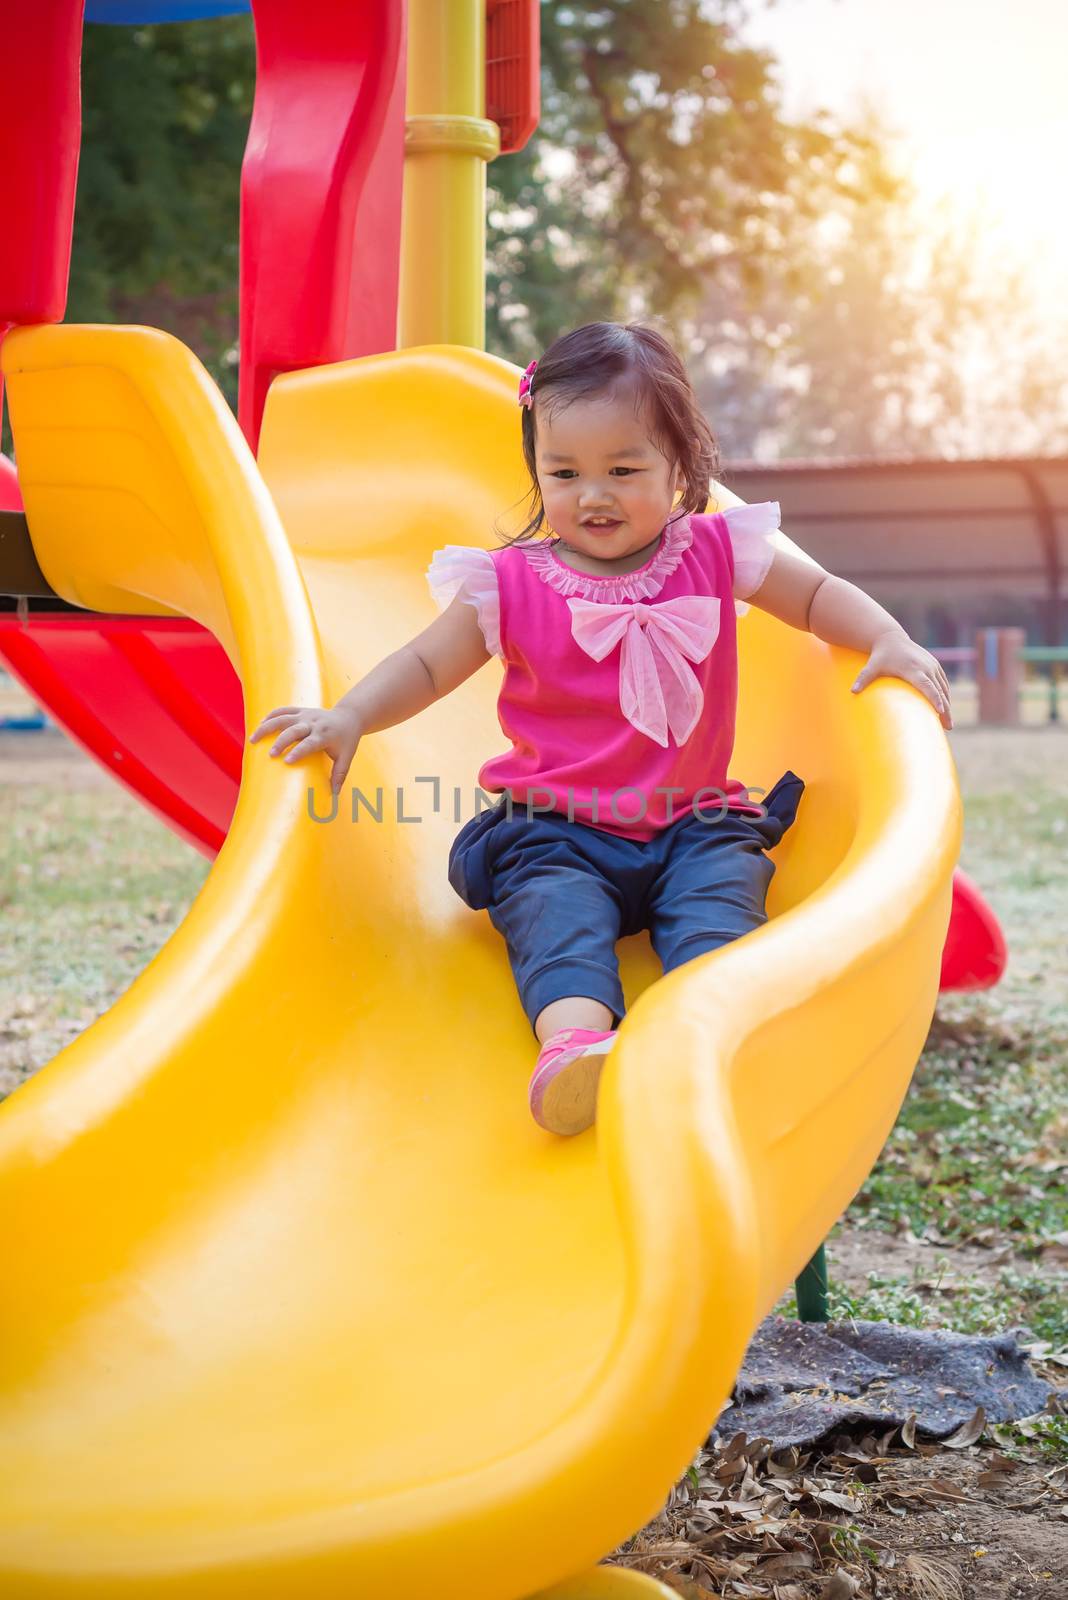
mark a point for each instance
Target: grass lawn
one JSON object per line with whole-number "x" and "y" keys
{"x": 979, "y": 1157}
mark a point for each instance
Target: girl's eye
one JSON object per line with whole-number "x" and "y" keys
{"x": 568, "y": 470}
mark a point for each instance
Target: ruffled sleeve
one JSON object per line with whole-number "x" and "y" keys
{"x": 750, "y": 529}
{"x": 460, "y": 569}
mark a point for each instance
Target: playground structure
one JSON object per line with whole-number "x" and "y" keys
{"x": 159, "y": 704}
{"x": 998, "y": 661}
{"x": 299, "y": 1297}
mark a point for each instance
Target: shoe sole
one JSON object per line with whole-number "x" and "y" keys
{"x": 569, "y": 1101}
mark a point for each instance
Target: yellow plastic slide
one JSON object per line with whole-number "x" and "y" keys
{"x": 297, "y": 1299}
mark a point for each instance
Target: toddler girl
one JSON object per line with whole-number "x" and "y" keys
{"x": 617, "y": 639}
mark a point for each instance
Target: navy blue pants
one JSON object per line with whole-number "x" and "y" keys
{"x": 563, "y": 893}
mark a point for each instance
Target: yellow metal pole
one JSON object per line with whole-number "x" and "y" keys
{"x": 448, "y": 142}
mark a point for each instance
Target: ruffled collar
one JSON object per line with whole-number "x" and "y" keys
{"x": 613, "y": 588}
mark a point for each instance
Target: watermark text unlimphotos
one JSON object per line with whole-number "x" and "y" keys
{"x": 709, "y": 804}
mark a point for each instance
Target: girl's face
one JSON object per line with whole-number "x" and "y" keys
{"x": 606, "y": 488}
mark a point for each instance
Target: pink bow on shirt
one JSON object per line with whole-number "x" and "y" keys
{"x": 657, "y": 690}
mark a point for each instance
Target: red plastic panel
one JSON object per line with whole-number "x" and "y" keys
{"x": 513, "y": 69}
{"x": 974, "y": 955}
{"x": 321, "y": 189}
{"x": 153, "y": 699}
{"x": 10, "y": 498}
{"x": 40, "y": 133}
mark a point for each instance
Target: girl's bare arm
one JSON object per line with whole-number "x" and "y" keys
{"x": 806, "y": 596}
{"x": 425, "y": 669}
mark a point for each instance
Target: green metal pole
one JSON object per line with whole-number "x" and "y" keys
{"x": 811, "y": 1290}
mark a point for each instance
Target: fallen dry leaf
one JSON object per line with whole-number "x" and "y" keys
{"x": 782, "y": 1566}
{"x": 968, "y": 1432}
{"x": 783, "y": 1525}
{"x": 840, "y": 1586}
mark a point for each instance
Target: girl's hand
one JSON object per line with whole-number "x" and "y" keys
{"x": 311, "y": 728}
{"x": 895, "y": 655}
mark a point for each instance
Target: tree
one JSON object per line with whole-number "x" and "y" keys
{"x": 662, "y": 163}
{"x": 818, "y": 314}
{"x": 896, "y": 334}
{"x": 165, "y": 114}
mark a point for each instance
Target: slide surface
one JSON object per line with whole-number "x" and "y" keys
{"x": 297, "y": 1299}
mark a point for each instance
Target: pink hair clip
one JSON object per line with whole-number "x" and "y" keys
{"x": 526, "y": 394}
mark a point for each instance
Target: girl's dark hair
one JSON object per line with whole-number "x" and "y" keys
{"x": 603, "y": 357}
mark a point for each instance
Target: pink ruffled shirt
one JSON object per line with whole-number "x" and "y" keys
{"x": 619, "y": 691}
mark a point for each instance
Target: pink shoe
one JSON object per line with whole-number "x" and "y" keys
{"x": 563, "y": 1090}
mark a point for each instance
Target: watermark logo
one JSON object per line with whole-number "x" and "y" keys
{"x": 708, "y": 805}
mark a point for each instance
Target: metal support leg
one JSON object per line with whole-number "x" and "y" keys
{"x": 811, "y": 1290}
